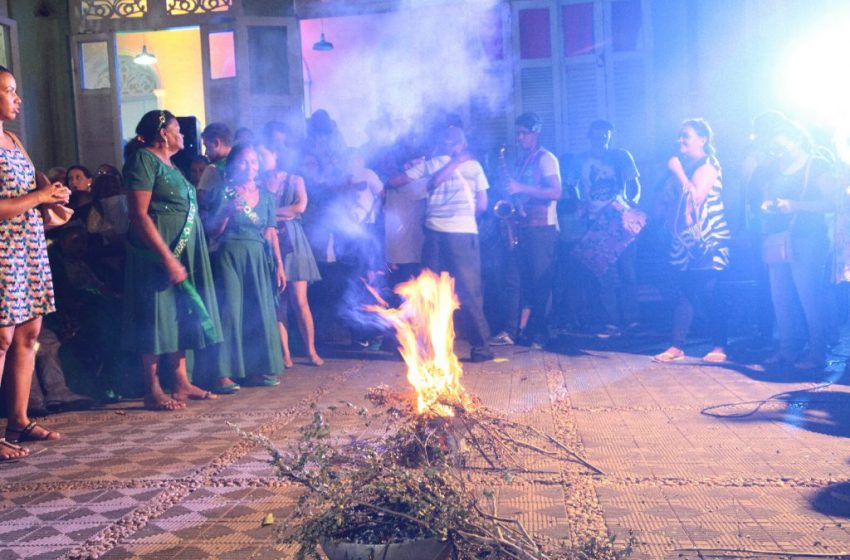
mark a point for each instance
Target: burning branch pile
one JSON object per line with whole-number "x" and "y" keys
{"x": 413, "y": 478}
{"x": 424, "y": 326}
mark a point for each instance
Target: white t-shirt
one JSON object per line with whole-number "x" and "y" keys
{"x": 367, "y": 197}
{"x": 404, "y": 218}
{"x": 451, "y": 206}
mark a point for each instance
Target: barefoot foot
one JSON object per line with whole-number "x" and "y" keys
{"x": 192, "y": 392}
{"x": 316, "y": 360}
{"x": 163, "y": 402}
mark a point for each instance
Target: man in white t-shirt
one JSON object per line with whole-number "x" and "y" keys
{"x": 457, "y": 193}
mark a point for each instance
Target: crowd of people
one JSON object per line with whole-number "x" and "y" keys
{"x": 203, "y": 269}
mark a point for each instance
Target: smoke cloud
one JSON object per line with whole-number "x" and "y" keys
{"x": 397, "y": 67}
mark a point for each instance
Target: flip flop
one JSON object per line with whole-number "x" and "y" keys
{"x": 15, "y": 448}
{"x": 26, "y": 434}
{"x": 715, "y": 357}
{"x": 667, "y": 356}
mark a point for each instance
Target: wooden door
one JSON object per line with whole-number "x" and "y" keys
{"x": 94, "y": 64}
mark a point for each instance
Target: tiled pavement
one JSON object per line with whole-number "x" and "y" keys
{"x": 743, "y": 482}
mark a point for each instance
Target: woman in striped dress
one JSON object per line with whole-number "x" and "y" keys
{"x": 700, "y": 251}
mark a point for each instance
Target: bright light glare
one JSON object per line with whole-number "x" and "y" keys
{"x": 815, "y": 77}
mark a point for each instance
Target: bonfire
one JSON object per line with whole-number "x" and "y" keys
{"x": 416, "y": 481}
{"x": 424, "y": 327}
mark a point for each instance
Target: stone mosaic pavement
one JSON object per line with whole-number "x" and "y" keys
{"x": 746, "y": 480}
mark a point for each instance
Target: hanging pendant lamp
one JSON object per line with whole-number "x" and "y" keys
{"x": 322, "y": 44}
{"x": 145, "y": 58}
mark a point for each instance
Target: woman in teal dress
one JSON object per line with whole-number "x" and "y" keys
{"x": 249, "y": 273}
{"x": 169, "y": 302}
{"x": 290, "y": 197}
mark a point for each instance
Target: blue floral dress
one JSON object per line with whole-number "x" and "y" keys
{"x": 26, "y": 286}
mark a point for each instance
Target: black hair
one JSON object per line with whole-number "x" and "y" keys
{"x": 531, "y": 121}
{"x": 703, "y": 130}
{"x": 4, "y": 70}
{"x": 218, "y": 131}
{"x": 603, "y": 124}
{"x": 796, "y": 132}
{"x": 272, "y": 127}
{"x": 147, "y": 131}
{"x": 235, "y": 153}
{"x": 106, "y": 185}
{"x": 83, "y": 168}
{"x": 242, "y": 131}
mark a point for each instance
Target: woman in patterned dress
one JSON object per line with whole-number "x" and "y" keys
{"x": 300, "y": 264}
{"x": 700, "y": 251}
{"x": 169, "y": 296}
{"x": 249, "y": 274}
{"x": 26, "y": 287}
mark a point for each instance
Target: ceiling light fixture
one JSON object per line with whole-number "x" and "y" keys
{"x": 145, "y": 58}
{"x": 322, "y": 44}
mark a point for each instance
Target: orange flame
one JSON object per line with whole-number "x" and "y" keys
{"x": 424, "y": 326}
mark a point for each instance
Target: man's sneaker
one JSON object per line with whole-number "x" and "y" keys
{"x": 502, "y": 339}
{"x": 478, "y": 356}
{"x": 610, "y": 331}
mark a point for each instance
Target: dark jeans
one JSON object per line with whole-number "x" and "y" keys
{"x": 459, "y": 255}
{"x": 698, "y": 293}
{"x": 797, "y": 290}
{"x": 618, "y": 290}
{"x": 536, "y": 256}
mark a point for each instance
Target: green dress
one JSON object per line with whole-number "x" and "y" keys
{"x": 244, "y": 269}
{"x": 157, "y": 316}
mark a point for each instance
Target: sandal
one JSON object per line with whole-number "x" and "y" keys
{"x": 715, "y": 357}
{"x": 777, "y": 359}
{"x": 27, "y": 434}
{"x": 808, "y": 364}
{"x": 668, "y": 356}
{"x": 264, "y": 381}
{"x": 226, "y": 389}
{"x": 17, "y": 452}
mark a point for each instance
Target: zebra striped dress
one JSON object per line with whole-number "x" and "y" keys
{"x": 704, "y": 244}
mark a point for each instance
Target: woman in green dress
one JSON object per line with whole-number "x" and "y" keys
{"x": 290, "y": 197}
{"x": 169, "y": 303}
{"x": 249, "y": 272}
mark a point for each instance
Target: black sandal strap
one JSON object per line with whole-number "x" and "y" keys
{"x": 26, "y": 431}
